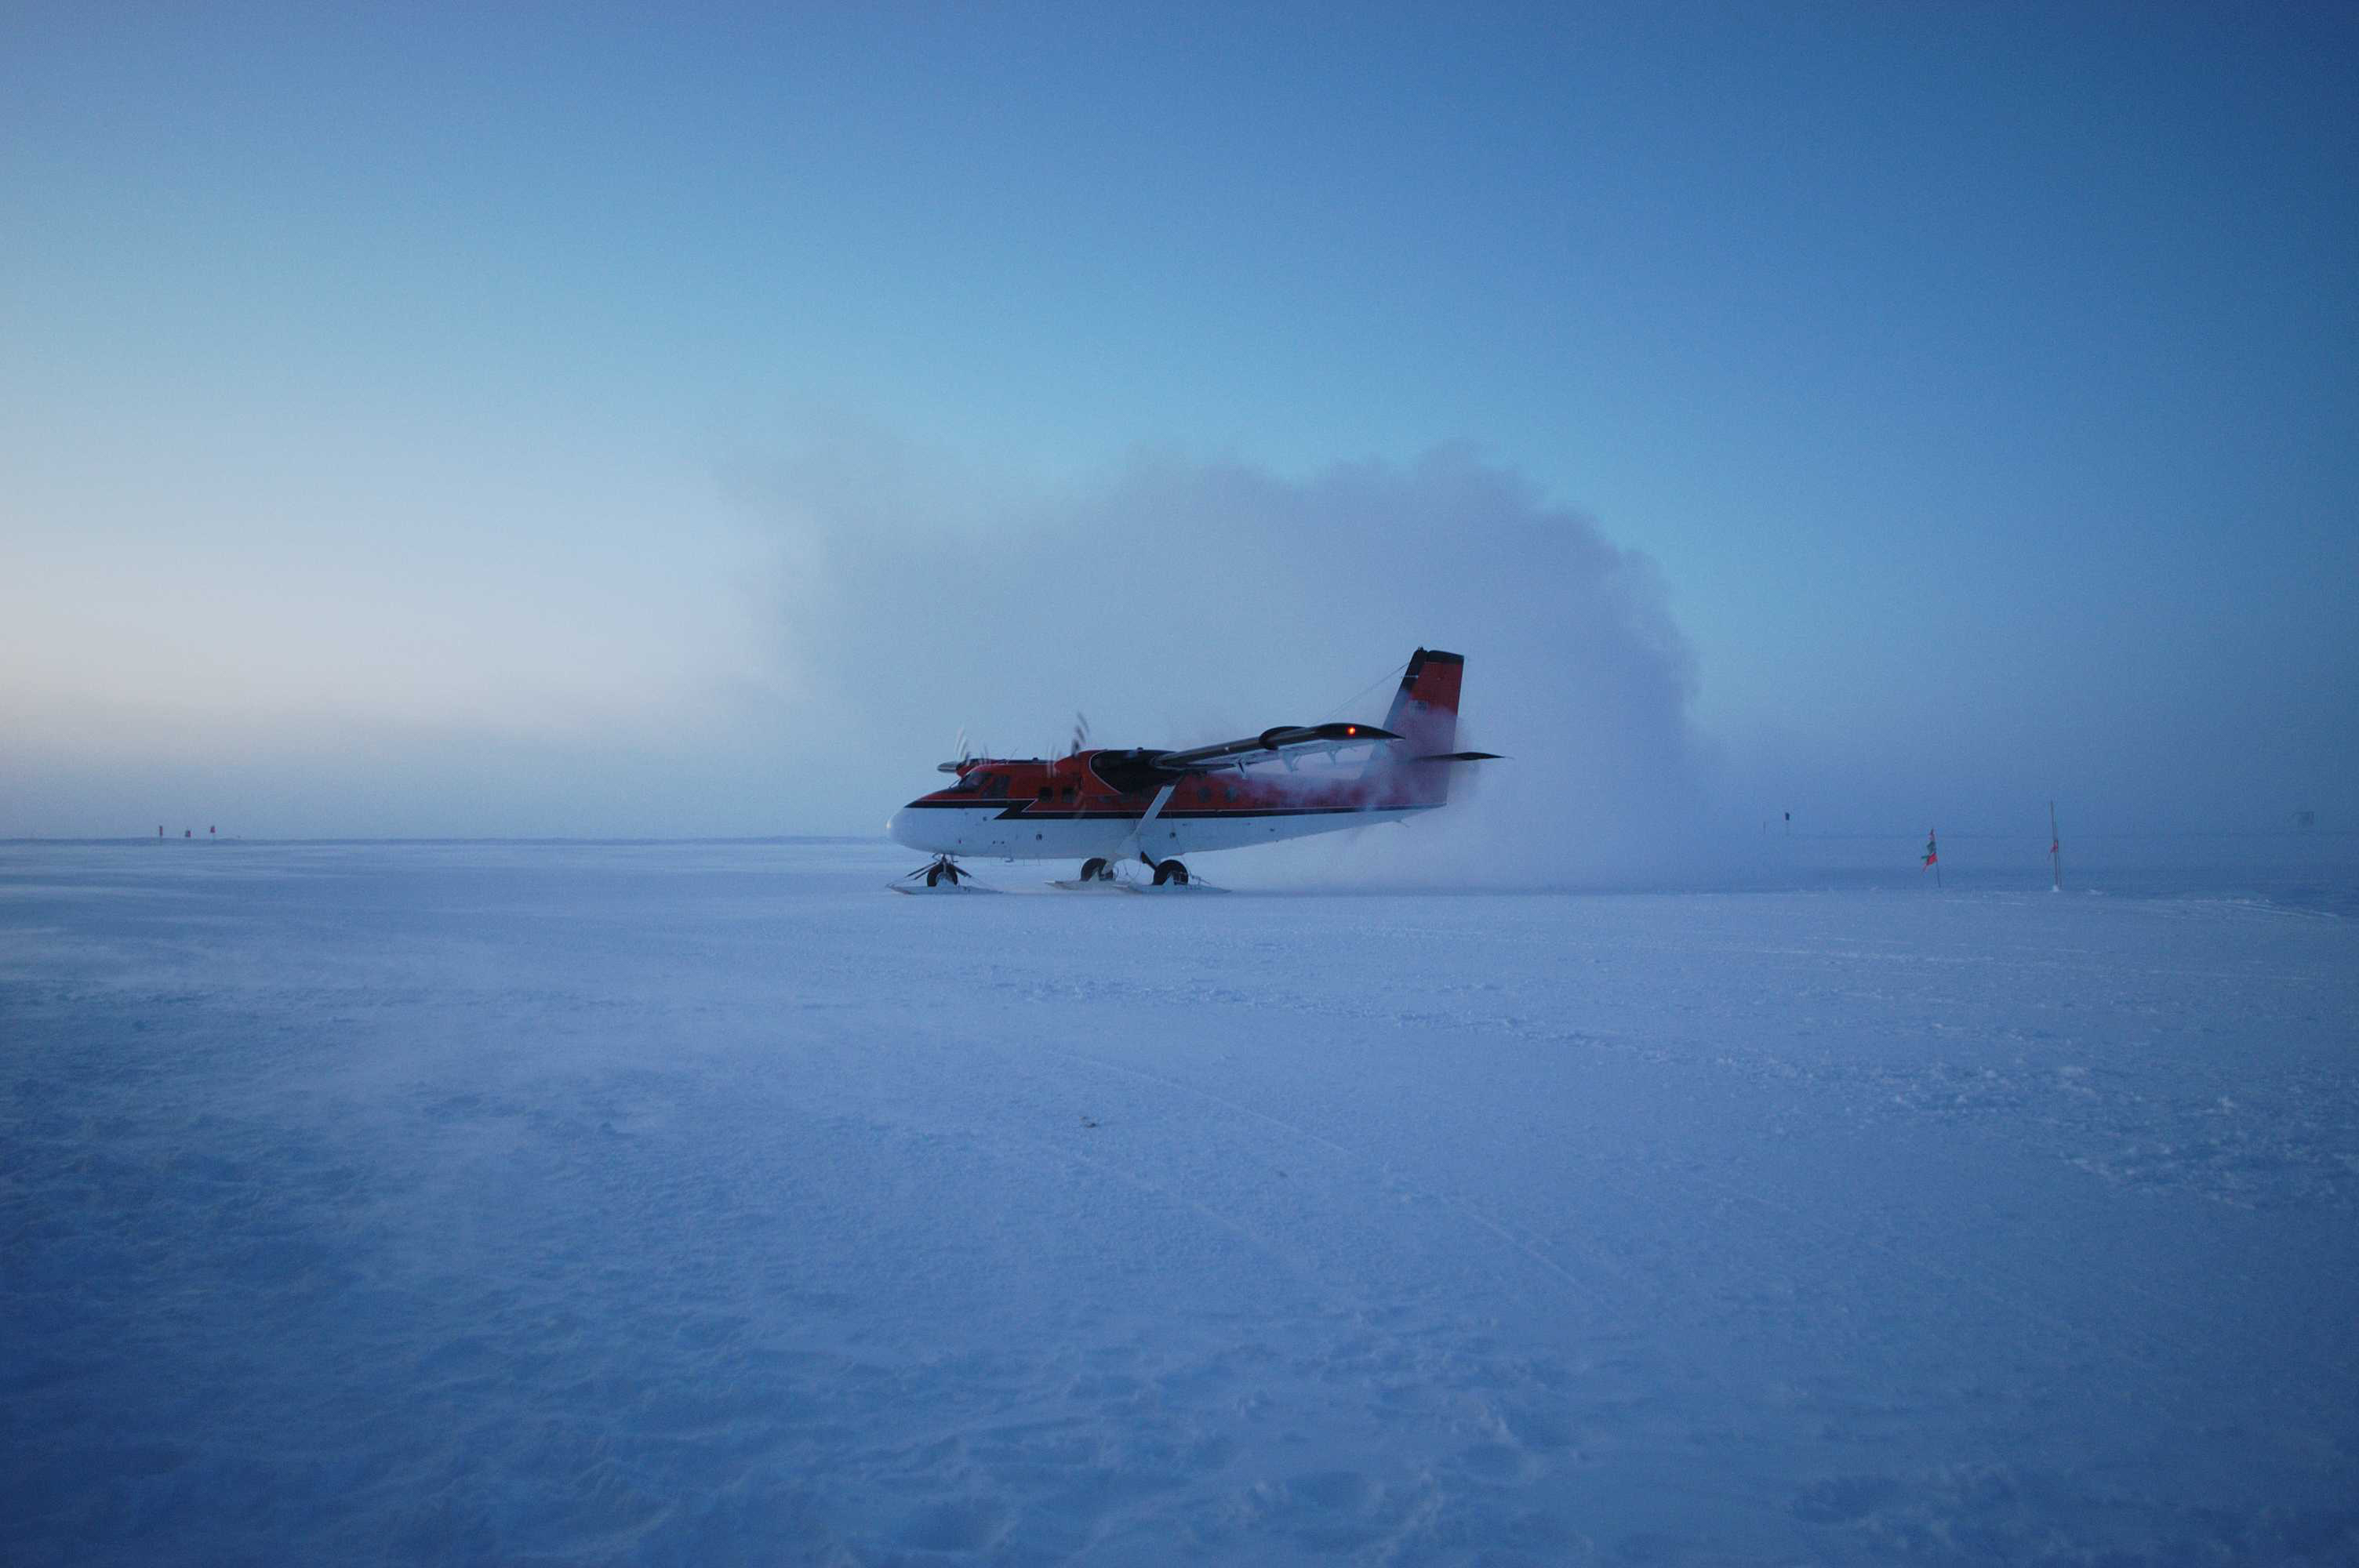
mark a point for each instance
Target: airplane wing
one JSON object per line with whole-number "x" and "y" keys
{"x": 1285, "y": 740}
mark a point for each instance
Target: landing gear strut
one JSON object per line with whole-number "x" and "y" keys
{"x": 941, "y": 870}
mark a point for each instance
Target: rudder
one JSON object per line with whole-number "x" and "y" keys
{"x": 1425, "y": 716}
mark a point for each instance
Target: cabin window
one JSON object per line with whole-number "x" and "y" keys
{"x": 991, "y": 786}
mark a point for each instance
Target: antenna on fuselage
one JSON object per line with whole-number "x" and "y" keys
{"x": 1343, "y": 709}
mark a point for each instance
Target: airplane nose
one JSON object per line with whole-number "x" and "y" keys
{"x": 896, "y": 826}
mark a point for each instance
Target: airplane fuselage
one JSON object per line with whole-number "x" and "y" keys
{"x": 1077, "y": 807}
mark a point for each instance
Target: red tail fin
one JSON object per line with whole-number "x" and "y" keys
{"x": 1425, "y": 716}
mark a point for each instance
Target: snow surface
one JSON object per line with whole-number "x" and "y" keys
{"x": 701, "y": 1203}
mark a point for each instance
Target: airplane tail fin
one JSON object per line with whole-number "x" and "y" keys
{"x": 1425, "y": 716}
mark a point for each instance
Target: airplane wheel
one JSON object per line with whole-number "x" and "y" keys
{"x": 1093, "y": 869}
{"x": 934, "y": 876}
{"x": 1171, "y": 872}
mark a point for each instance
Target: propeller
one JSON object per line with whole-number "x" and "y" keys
{"x": 1081, "y": 733}
{"x": 959, "y": 766}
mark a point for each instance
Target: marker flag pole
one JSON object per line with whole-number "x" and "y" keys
{"x": 2055, "y": 853}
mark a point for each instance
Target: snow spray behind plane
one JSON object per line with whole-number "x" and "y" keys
{"x": 1181, "y": 601}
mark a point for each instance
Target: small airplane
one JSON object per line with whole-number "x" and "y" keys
{"x": 1106, "y": 806}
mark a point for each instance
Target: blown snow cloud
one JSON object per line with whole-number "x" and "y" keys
{"x": 1177, "y": 602}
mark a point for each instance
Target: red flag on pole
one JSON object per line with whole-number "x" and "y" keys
{"x": 1933, "y": 857}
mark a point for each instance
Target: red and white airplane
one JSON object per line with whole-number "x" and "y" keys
{"x": 1106, "y": 806}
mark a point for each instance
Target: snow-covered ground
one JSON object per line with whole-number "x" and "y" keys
{"x": 702, "y": 1203}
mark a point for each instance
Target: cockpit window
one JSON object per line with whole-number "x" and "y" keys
{"x": 990, "y": 786}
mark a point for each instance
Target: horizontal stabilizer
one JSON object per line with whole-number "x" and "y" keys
{"x": 1459, "y": 757}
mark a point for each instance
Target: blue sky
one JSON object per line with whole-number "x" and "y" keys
{"x": 411, "y": 417}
